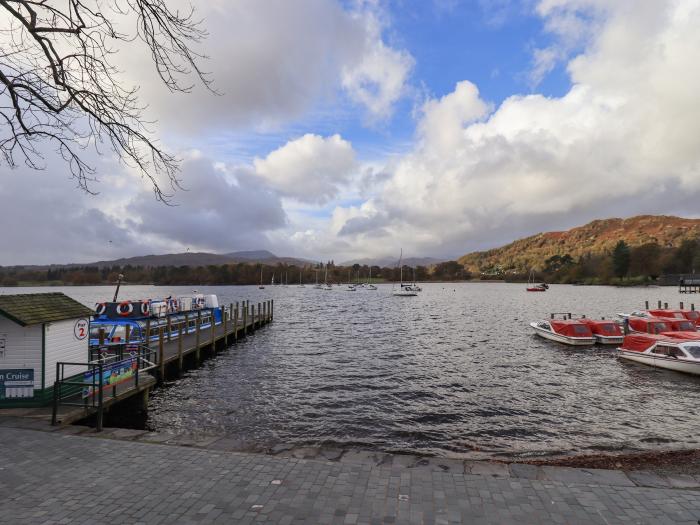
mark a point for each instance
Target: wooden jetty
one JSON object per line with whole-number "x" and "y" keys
{"x": 171, "y": 348}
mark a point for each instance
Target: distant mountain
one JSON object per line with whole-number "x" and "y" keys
{"x": 191, "y": 259}
{"x": 596, "y": 237}
{"x": 391, "y": 262}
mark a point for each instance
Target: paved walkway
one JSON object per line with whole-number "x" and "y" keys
{"x": 59, "y": 477}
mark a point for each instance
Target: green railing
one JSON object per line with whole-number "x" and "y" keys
{"x": 99, "y": 378}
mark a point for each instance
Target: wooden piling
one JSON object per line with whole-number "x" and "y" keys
{"x": 272, "y": 309}
{"x": 197, "y": 324}
{"x": 235, "y": 324}
{"x": 665, "y": 306}
{"x": 170, "y": 328}
{"x": 101, "y": 337}
{"x": 147, "y": 336}
{"x": 245, "y": 319}
{"x": 225, "y": 323}
{"x": 127, "y": 335}
{"x": 213, "y": 332}
{"x": 179, "y": 344}
{"x": 646, "y": 305}
{"x": 681, "y": 305}
{"x": 659, "y": 305}
{"x": 161, "y": 356}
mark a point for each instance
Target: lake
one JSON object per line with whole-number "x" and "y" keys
{"x": 455, "y": 372}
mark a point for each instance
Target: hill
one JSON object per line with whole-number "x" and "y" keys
{"x": 186, "y": 259}
{"x": 596, "y": 237}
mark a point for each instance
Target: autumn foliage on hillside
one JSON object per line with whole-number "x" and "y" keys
{"x": 585, "y": 252}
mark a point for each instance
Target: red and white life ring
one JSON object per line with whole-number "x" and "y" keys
{"x": 145, "y": 308}
{"x": 125, "y": 308}
{"x": 100, "y": 308}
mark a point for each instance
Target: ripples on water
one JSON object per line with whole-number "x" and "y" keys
{"x": 455, "y": 371}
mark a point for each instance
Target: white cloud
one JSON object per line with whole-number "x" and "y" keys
{"x": 622, "y": 140}
{"x": 274, "y": 61}
{"x": 309, "y": 169}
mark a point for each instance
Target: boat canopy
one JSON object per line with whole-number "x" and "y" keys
{"x": 641, "y": 342}
{"x": 649, "y": 325}
{"x": 682, "y": 325}
{"x": 571, "y": 328}
{"x": 602, "y": 327}
{"x": 676, "y": 314}
{"x": 683, "y": 335}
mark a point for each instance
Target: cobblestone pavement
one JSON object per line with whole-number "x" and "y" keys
{"x": 59, "y": 477}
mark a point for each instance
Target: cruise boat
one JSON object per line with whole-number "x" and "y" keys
{"x": 604, "y": 331}
{"x": 672, "y": 351}
{"x": 567, "y": 331}
{"x": 108, "y": 326}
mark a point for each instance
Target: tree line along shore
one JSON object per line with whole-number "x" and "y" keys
{"x": 624, "y": 265}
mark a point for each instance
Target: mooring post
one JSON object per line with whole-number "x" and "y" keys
{"x": 127, "y": 335}
{"x": 235, "y": 324}
{"x": 252, "y": 317}
{"x": 170, "y": 328}
{"x": 102, "y": 337}
{"x": 197, "y": 324}
{"x": 264, "y": 312}
{"x": 665, "y": 306}
{"x": 213, "y": 331}
{"x": 272, "y": 309}
{"x": 692, "y": 306}
{"x": 147, "y": 337}
{"x": 626, "y": 325}
{"x": 245, "y": 318}
{"x": 646, "y": 305}
{"x": 225, "y": 324}
{"x": 681, "y": 305}
{"x": 100, "y": 398}
{"x": 161, "y": 356}
{"x": 659, "y": 305}
{"x": 179, "y": 344}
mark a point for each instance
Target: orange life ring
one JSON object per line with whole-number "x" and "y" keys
{"x": 125, "y": 308}
{"x": 100, "y": 308}
{"x": 144, "y": 308}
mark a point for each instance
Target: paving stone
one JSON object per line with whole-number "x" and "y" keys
{"x": 487, "y": 468}
{"x": 331, "y": 454}
{"x": 43, "y": 480}
{"x": 586, "y": 476}
{"x": 683, "y": 481}
{"x": 645, "y": 478}
{"x": 525, "y": 471}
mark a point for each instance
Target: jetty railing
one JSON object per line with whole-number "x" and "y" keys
{"x": 98, "y": 381}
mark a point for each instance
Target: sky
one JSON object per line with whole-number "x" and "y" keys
{"x": 344, "y": 129}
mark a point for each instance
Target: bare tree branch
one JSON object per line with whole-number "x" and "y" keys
{"x": 58, "y": 82}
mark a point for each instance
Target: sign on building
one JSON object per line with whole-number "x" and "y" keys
{"x": 17, "y": 383}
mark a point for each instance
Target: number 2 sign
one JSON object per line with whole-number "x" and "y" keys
{"x": 81, "y": 329}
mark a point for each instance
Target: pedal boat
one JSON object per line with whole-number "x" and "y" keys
{"x": 679, "y": 351}
{"x": 568, "y": 332}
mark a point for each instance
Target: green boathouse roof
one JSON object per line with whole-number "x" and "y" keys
{"x": 39, "y": 308}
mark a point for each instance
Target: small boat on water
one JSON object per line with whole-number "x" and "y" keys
{"x": 566, "y": 331}
{"x": 605, "y": 332}
{"x": 261, "y": 286}
{"x": 690, "y": 315}
{"x": 672, "y": 351}
{"x": 404, "y": 289}
{"x": 368, "y": 285}
{"x": 646, "y": 324}
{"x": 532, "y": 287}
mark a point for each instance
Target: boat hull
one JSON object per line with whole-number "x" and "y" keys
{"x": 564, "y": 339}
{"x": 669, "y": 363}
{"x": 609, "y": 339}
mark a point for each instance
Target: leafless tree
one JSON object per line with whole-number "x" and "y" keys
{"x": 59, "y": 83}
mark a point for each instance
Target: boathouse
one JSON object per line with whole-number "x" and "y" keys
{"x": 36, "y": 332}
